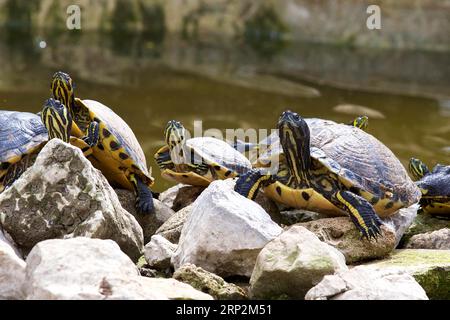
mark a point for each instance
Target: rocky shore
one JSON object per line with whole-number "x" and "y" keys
{"x": 67, "y": 234}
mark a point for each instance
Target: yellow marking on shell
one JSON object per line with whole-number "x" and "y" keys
{"x": 354, "y": 212}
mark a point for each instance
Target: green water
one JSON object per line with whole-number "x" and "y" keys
{"x": 149, "y": 81}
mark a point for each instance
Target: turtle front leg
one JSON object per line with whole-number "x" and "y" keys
{"x": 361, "y": 212}
{"x": 249, "y": 183}
{"x": 144, "y": 195}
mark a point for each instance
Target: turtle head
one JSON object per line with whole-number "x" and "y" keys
{"x": 174, "y": 133}
{"x": 417, "y": 168}
{"x": 57, "y": 119}
{"x": 62, "y": 88}
{"x": 295, "y": 138}
{"x": 361, "y": 122}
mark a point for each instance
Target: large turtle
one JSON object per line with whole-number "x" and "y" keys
{"x": 333, "y": 168}
{"x": 23, "y": 135}
{"x": 270, "y": 148}
{"x": 117, "y": 154}
{"x": 434, "y": 185}
{"x": 197, "y": 161}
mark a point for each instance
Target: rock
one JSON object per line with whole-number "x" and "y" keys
{"x": 158, "y": 252}
{"x": 171, "y": 229}
{"x": 180, "y": 196}
{"x": 224, "y": 232}
{"x": 439, "y": 239}
{"x": 149, "y": 222}
{"x": 293, "y": 263}
{"x": 424, "y": 223}
{"x": 186, "y": 195}
{"x": 167, "y": 197}
{"x": 209, "y": 283}
{"x": 7, "y": 239}
{"x": 401, "y": 221}
{"x": 341, "y": 233}
{"x": 290, "y": 217}
{"x": 269, "y": 206}
{"x": 362, "y": 284}
{"x": 63, "y": 196}
{"x": 12, "y": 270}
{"x": 430, "y": 268}
{"x": 84, "y": 268}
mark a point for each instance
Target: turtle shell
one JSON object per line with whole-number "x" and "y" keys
{"x": 111, "y": 159}
{"x": 360, "y": 161}
{"x": 217, "y": 152}
{"x": 222, "y": 159}
{"x": 20, "y": 133}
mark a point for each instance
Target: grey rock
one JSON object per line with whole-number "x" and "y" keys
{"x": 158, "y": 252}
{"x": 424, "y": 223}
{"x": 209, "y": 283}
{"x": 401, "y": 221}
{"x": 224, "y": 232}
{"x": 341, "y": 233}
{"x": 293, "y": 263}
{"x": 171, "y": 229}
{"x": 149, "y": 222}
{"x": 439, "y": 239}
{"x": 62, "y": 196}
{"x": 362, "y": 284}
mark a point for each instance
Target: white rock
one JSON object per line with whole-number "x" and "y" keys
{"x": 293, "y": 263}
{"x": 224, "y": 232}
{"x": 159, "y": 251}
{"x": 168, "y": 196}
{"x": 171, "y": 229}
{"x": 12, "y": 270}
{"x": 401, "y": 221}
{"x": 361, "y": 283}
{"x": 84, "y": 268}
{"x": 62, "y": 196}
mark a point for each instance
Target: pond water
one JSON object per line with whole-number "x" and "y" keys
{"x": 149, "y": 81}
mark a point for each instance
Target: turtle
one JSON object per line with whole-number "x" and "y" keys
{"x": 434, "y": 185}
{"x": 333, "y": 168}
{"x": 270, "y": 147}
{"x": 23, "y": 135}
{"x": 117, "y": 152}
{"x": 271, "y": 144}
{"x": 197, "y": 161}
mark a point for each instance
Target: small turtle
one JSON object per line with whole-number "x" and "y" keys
{"x": 117, "y": 153}
{"x": 197, "y": 161}
{"x": 336, "y": 169}
{"x": 434, "y": 185}
{"x": 23, "y": 135}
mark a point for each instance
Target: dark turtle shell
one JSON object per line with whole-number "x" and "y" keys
{"x": 20, "y": 133}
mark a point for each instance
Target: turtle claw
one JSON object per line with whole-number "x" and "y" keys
{"x": 145, "y": 206}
